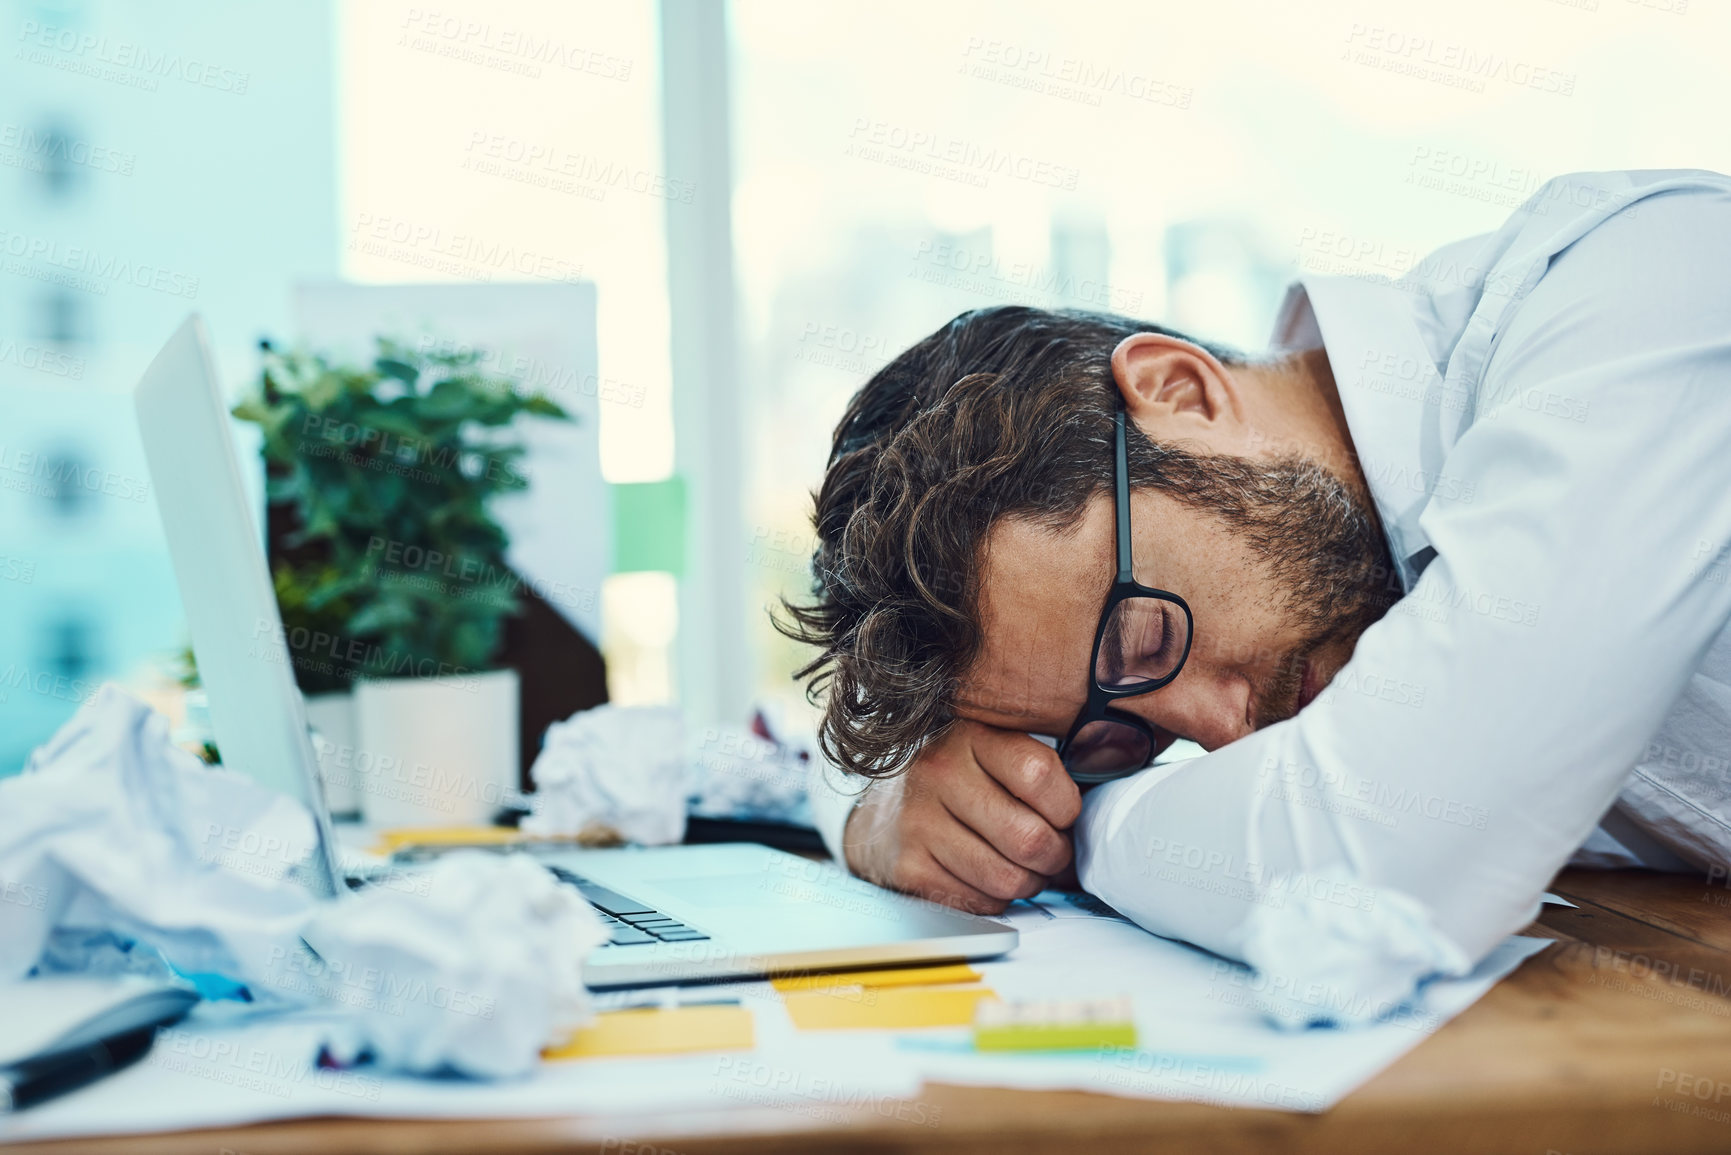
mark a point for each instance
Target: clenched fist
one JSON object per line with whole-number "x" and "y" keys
{"x": 980, "y": 819}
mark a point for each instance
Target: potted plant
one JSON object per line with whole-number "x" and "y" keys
{"x": 390, "y": 569}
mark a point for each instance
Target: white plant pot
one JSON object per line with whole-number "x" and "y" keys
{"x": 436, "y": 751}
{"x": 332, "y": 717}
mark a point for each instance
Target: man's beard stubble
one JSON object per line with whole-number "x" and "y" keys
{"x": 1322, "y": 548}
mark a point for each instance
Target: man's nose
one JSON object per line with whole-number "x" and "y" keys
{"x": 1209, "y": 709}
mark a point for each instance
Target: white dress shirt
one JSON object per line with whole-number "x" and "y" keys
{"x": 1543, "y": 416}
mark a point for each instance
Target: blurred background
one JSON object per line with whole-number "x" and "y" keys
{"x": 767, "y": 199}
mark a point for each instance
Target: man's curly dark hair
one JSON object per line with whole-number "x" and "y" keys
{"x": 1008, "y": 412}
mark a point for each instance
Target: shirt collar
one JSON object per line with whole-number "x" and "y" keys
{"x": 1389, "y": 387}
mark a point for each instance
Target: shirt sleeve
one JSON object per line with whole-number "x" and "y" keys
{"x": 1408, "y": 819}
{"x": 832, "y": 795}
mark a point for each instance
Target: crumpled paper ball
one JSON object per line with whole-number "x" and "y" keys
{"x": 612, "y": 770}
{"x": 1324, "y": 962}
{"x": 471, "y": 965}
{"x": 113, "y": 834}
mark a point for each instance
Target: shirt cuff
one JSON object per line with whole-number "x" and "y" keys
{"x": 833, "y": 794}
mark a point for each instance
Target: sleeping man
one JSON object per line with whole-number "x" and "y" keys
{"x": 1440, "y": 582}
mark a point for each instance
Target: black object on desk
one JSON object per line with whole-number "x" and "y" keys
{"x": 781, "y": 835}
{"x": 37, "y": 1079}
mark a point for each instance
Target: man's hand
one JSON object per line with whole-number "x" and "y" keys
{"x": 978, "y": 820}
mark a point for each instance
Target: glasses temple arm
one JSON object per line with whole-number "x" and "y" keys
{"x": 1121, "y": 502}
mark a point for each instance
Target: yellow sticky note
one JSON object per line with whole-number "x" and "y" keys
{"x": 887, "y": 1008}
{"x": 892, "y": 977}
{"x": 388, "y": 841}
{"x": 669, "y": 1031}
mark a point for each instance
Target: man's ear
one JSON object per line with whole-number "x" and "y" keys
{"x": 1166, "y": 380}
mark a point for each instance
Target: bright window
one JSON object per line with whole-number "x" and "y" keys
{"x": 901, "y": 162}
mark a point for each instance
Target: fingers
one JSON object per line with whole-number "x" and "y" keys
{"x": 929, "y": 879}
{"x": 871, "y": 839}
{"x": 973, "y": 861}
{"x": 902, "y": 836}
{"x": 1014, "y": 831}
{"x": 1030, "y": 770}
{"x": 976, "y": 823}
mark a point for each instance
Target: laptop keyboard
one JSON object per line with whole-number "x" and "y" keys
{"x": 629, "y": 922}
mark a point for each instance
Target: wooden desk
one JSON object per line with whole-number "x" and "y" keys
{"x": 1617, "y": 1039}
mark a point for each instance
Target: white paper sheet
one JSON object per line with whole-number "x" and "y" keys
{"x": 1201, "y": 1030}
{"x": 1202, "y": 1036}
{"x": 204, "y": 1074}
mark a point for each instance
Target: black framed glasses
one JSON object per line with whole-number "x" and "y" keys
{"x": 1140, "y": 645}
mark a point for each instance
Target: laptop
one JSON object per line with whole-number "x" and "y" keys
{"x": 676, "y": 913}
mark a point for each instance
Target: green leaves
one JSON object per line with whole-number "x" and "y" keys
{"x": 401, "y": 370}
{"x": 388, "y": 472}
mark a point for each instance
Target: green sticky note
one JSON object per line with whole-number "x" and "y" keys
{"x": 1054, "y": 1024}
{"x": 1073, "y": 1037}
{"x": 649, "y": 526}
